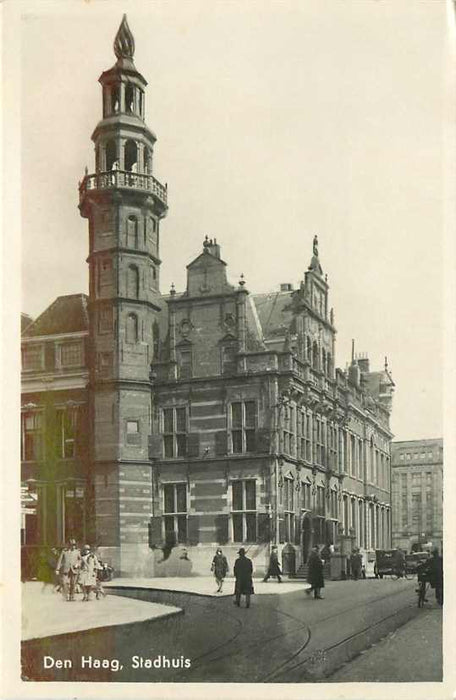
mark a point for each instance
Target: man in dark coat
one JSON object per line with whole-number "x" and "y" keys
{"x": 243, "y": 570}
{"x": 356, "y": 563}
{"x": 274, "y": 568}
{"x": 315, "y": 573}
{"x": 435, "y": 575}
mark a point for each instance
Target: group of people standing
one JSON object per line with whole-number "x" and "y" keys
{"x": 79, "y": 568}
{"x": 243, "y": 572}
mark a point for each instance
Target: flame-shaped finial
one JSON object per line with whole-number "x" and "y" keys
{"x": 124, "y": 43}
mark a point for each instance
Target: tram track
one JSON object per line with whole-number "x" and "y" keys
{"x": 208, "y": 657}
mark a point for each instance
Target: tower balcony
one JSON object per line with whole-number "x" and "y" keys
{"x": 124, "y": 179}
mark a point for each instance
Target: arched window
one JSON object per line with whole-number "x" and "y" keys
{"x": 147, "y": 161}
{"x": 323, "y": 360}
{"x": 140, "y": 102}
{"x": 329, "y": 364}
{"x": 132, "y": 282}
{"x": 132, "y": 329}
{"x": 131, "y": 155}
{"x": 132, "y": 232}
{"x": 129, "y": 98}
{"x": 111, "y": 154}
{"x": 115, "y": 99}
{"x": 315, "y": 355}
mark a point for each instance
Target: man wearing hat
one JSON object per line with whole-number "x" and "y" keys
{"x": 68, "y": 569}
{"x": 243, "y": 570}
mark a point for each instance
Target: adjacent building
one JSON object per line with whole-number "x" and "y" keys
{"x": 211, "y": 416}
{"x": 417, "y": 493}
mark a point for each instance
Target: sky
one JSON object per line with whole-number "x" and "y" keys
{"x": 275, "y": 121}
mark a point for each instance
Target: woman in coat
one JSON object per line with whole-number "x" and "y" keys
{"x": 88, "y": 574}
{"x": 315, "y": 573}
{"x": 243, "y": 570}
{"x": 219, "y": 568}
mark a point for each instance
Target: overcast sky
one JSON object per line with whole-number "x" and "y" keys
{"x": 275, "y": 121}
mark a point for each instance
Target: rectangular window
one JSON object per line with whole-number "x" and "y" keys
{"x": 175, "y": 432}
{"x": 244, "y": 516}
{"x": 31, "y": 436}
{"x": 185, "y": 363}
{"x": 243, "y": 425}
{"x": 71, "y": 355}
{"x": 288, "y": 500}
{"x": 66, "y": 426}
{"x": 32, "y": 357}
{"x": 175, "y": 513}
{"x": 288, "y": 432}
{"x": 133, "y": 434}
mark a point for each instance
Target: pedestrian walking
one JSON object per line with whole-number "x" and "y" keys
{"x": 88, "y": 575}
{"x": 274, "y": 567}
{"x": 243, "y": 570}
{"x": 68, "y": 567}
{"x": 219, "y": 568}
{"x": 435, "y": 575}
{"x": 356, "y": 563}
{"x": 315, "y": 573}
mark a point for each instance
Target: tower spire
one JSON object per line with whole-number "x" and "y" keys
{"x": 124, "y": 43}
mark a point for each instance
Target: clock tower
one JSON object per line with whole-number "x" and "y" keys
{"x": 124, "y": 204}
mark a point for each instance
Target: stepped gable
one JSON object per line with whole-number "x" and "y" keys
{"x": 67, "y": 314}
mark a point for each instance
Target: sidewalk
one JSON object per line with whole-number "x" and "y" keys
{"x": 206, "y": 585}
{"x": 45, "y": 613}
{"x": 412, "y": 653}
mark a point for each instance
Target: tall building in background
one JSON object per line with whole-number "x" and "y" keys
{"x": 153, "y": 424}
{"x": 417, "y": 492}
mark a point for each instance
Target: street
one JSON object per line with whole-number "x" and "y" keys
{"x": 282, "y": 638}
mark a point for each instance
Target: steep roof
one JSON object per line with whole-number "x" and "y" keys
{"x": 26, "y": 320}
{"x": 274, "y": 312}
{"x": 67, "y": 314}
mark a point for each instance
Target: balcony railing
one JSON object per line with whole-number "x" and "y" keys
{"x": 126, "y": 179}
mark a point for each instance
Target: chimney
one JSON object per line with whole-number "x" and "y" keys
{"x": 363, "y": 362}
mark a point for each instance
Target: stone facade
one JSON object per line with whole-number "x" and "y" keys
{"x": 214, "y": 416}
{"x": 417, "y": 492}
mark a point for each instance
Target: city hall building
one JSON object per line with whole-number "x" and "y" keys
{"x": 160, "y": 426}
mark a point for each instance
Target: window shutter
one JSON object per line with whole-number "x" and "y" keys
{"x": 155, "y": 446}
{"x": 193, "y": 529}
{"x": 155, "y": 531}
{"x": 221, "y": 442}
{"x": 193, "y": 445}
{"x": 264, "y": 527}
{"x": 263, "y": 440}
{"x": 221, "y": 528}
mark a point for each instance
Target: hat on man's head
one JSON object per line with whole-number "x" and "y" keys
{"x": 86, "y": 548}
{"x": 72, "y": 541}
{"x": 241, "y": 551}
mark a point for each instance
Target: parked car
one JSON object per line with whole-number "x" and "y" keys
{"x": 412, "y": 561}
